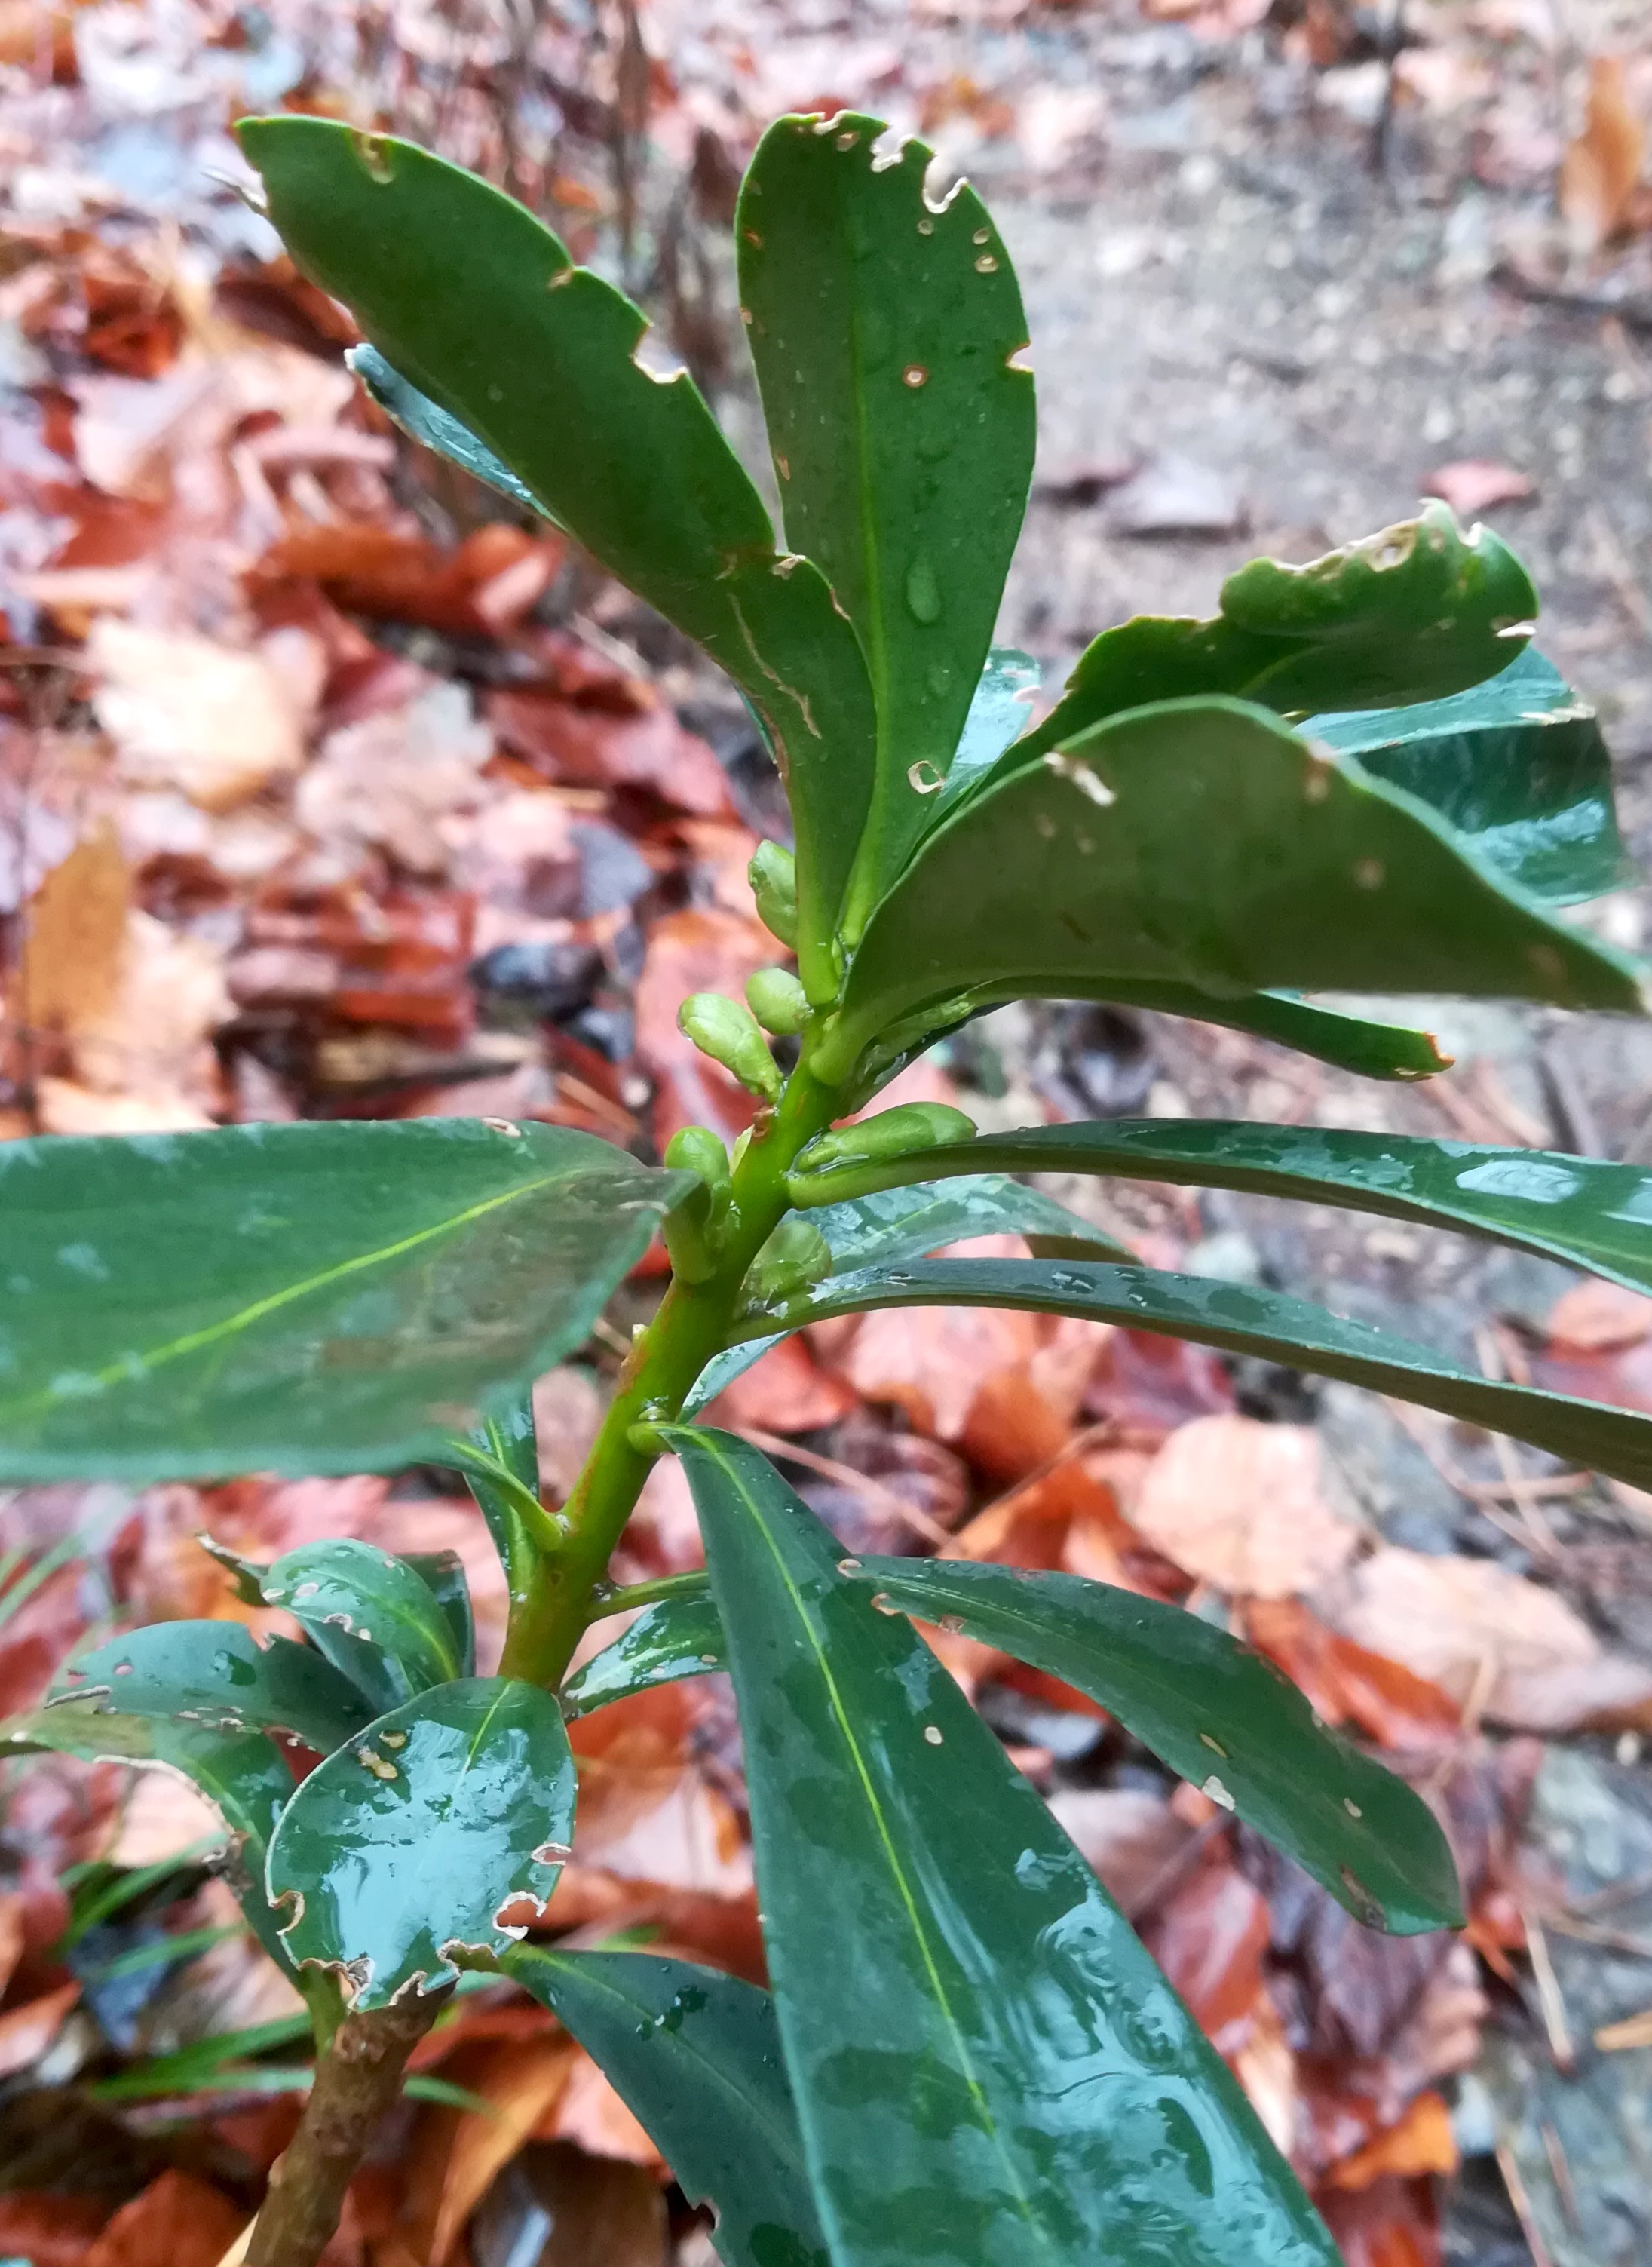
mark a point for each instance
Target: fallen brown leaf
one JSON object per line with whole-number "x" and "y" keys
{"x": 1492, "y": 1639}
{"x": 1601, "y": 169}
{"x": 1244, "y": 1505}
{"x": 73, "y": 942}
{"x": 216, "y": 721}
{"x": 520, "y": 2081}
{"x": 1348, "y": 1683}
{"x": 1592, "y": 1317}
{"x": 1472, "y": 485}
{"x": 1421, "y": 2142}
{"x": 580, "y": 2211}
{"x": 48, "y": 2229}
{"x": 1131, "y": 1839}
{"x": 177, "y": 2221}
{"x": 27, "y": 2032}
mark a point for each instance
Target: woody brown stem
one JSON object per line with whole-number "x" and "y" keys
{"x": 357, "y": 2079}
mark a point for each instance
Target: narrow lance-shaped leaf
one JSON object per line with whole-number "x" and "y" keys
{"x": 1353, "y": 1043}
{"x": 1212, "y": 1709}
{"x": 1415, "y": 612}
{"x": 1517, "y": 765}
{"x": 216, "y": 1676}
{"x": 500, "y": 1465}
{"x": 1216, "y": 1712}
{"x": 987, "y": 2067}
{"x": 1200, "y": 843}
{"x": 1582, "y": 1210}
{"x": 240, "y": 1773}
{"x": 883, "y": 1228}
{"x": 480, "y": 308}
{"x": 696, "y": 2057}
{"x": 310, "y": 1298}
{"x": 1239, "y": 1319}
{"x": 443, "y": 1575}
{"x": 672, "y": 1638}
{"x": 887, "y": 333}
{"x": 412, "y": 1840}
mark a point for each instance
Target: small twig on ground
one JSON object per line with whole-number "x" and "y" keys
{"x": 1541, "y": 2255}
{"x": 1550, "y": 1999}
{"x": 1560, "y": 2167}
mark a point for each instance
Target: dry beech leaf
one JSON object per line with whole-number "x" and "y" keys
{"x": 390, "y": 781}
{"x": 216, "y": 721}
{"x": 1602, "y": 167}
{"x": 1471, "y": 485}
{"x": 1243, "y": 1505}
{"x": 521, "y": 2081}
{"x": 1421, "y": 2142}
{"x": 176, "y": 2219}
{"x": 1492, "y": 1639}
{"x": 27, "y": 2032}
{"x": 1594, "y": 1315}
{"x": 1209, "y": 1936}
{"x": 592, "y": 2115}
{"x": 74, "y": 944}
{"x": 150, "y": 1044}
{"x": 48, "y": 2228}
{"x": 786, "y": 1390}
{"x": 1130, "y": 1838}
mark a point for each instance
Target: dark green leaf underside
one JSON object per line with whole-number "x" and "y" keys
{"x": 307, "y": 1298}
{"x": 672, "y": 1638}
{"x": 986, "y": 2066}
{"x": 1517, "y": 765}
{"x": 1239, "y": 1319}
{"x": 426, "y": 422}
{"x": 1582, "y": 1210}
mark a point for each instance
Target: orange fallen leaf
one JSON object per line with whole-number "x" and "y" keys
{"x": 49, "y": 2229}
{"x": 520, "y": 2081}
{"x": 25, "y": 2032}
{"x": 1490, "y": 1638}
{"x": 1421, "y": 2142}
{"x": 1471, "y": 485}
{"x": 591, "y": 2114}
{"x": 1244, "y": 1505}
{"x": 1601, "y": 169}
{"x": 1346, "y": 1682}
{"x": 785, "y": 1391}
{"x": 73, "y": 943}
{"x": 1594, "y": 1315}
{"x": 176, "y": 2219}
{"x": 1209, "y": 1937}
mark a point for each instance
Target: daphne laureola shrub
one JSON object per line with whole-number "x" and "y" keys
{"x": 1358, "y": 776}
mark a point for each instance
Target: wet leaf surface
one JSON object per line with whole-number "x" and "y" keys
{"x": 298, "y": 1298}
{"x": 414, "y": 1838}
{"x": 697, "y": 2056}
{"x": 1031, "y": 2073}
{"x": 215, "y": 1675}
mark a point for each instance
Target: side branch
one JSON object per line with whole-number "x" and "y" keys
{"x": 357, "y": 2080}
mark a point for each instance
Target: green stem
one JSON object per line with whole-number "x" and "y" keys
{"x": 607, "y": 1601}
{"x": 693, "y": 1322}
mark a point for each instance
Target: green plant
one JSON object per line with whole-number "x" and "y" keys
{"x": 967, "y": 2056}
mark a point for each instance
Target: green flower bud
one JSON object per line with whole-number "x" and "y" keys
{"x": 891, "y": 1134}
{"x": 696, "y": 1149}
{"x": 772, "y": 874}
{"x": 693, "y": 1228}
{"x": 796, "y": 1256}
{"x": 728, "y": 1033}
{"x": 777, "y": 1001}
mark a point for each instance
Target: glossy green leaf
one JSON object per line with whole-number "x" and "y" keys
{"x": 426, "y": 422}
{"x": 1202, "y": 844}
{"x": 1239, "y": 1319}
{"x": 674, "y": 1638}
{"x": 888, "y": 334}
{"x": 372, "y": 1614}
{"x": 1329, "y": 1035}
{"x": 1581, "y": 1210}
{"x": 1418, "y": 611}
{"x": 443, "y": 1575}
{"x": 1517, "y": 765}
{"x": 500, "y": 1465}
{"x": 240, "y": 1773}
{"x": 217, "y": 1675}
{"x": 696, "y": 2057}
{"x": 479, "y": 307}
{"x": 410, "y": 1841}
{"x": 997, "y": 712}
{"x": 1217, "y": 1714}
{"x": 308, "y": 1298}
{"x": 987, "y": 2067}
{"x": 1208, "y": 1707}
